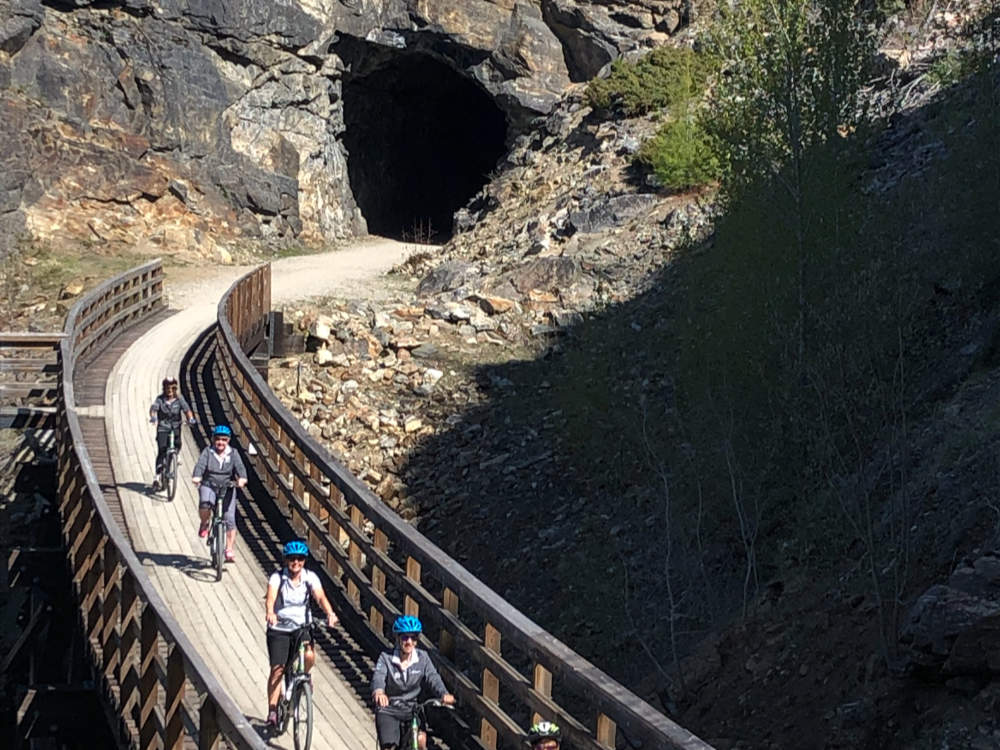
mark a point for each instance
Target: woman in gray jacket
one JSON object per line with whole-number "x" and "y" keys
{"x": 397, "y": 682}
{"x": 217, "y": 466}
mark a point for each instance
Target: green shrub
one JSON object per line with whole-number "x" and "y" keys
{"x": 680, "y": 154}
{"x": 664, "y": 77}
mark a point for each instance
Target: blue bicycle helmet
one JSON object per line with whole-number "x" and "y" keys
{"x": 407, "y": 624}
{"x": 295, "y": 547}
{"x": 221, "y": 429}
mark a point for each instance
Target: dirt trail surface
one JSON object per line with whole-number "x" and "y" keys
{"x": 349, "y": 270}
{"x": 164, "y": 533}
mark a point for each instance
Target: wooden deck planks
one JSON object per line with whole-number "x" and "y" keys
{"x": 225, "y": 620}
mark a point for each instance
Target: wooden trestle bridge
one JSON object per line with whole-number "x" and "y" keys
{"x": 179, "y": 659}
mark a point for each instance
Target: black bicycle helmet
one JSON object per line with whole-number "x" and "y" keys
{"x": 167, "y": 382}
{"x": 544, "y": 730}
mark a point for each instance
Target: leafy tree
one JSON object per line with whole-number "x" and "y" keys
{"x": 792, "y": 73}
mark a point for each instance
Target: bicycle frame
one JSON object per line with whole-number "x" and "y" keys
{"x": 297, "y": 681}
{"x": 417, "y": 718}
{"x": 217, "y": 534}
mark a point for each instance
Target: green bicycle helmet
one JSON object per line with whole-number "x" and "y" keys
{"x": 407, "y": 624}
{"x": 544, "y": 730}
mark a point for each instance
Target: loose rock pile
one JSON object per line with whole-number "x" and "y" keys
{"x": 383, "y": 378}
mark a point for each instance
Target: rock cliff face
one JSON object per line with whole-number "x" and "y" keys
{"x": 186, "y": 123}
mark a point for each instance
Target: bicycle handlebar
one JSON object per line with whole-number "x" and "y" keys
{"x": 420, "y": 705}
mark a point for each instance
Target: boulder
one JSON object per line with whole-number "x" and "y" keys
{"x": 612, "y": 212}
{"x": 447, "y": 276}
{"x": 549, "y": 273}
{"x": 954, "y": 628}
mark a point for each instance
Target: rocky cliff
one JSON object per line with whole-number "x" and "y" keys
{"x": 185, "y": 123}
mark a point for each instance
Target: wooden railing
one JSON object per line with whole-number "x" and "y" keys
{"x": 500, "y": 664}
{"x": 29, "y": 379}
{"x": 158, "y": 691}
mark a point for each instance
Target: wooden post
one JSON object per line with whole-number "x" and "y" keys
{"x": 354, "y": 554}
{"x": 410, "y": 605}
{"x": 110, "y": 637}
{"x": 208, "y": 725}
{"x": 446, "y": 643}
{"x": 148, "y": 686}
{"x": 606, "y": 730}
{"x": 318, "y": 507}
{"x": 174, "y": 739}
{"x": 543, "y": 686}
{"x": 94, "y": 581}
{"x": 378, "y": 582}
{"x": 128, "y": 670}
{"x": 491, "y": 688}
{"x": 336, "y": 500}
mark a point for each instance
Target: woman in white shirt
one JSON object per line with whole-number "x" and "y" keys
{"x": 288, "y": 616}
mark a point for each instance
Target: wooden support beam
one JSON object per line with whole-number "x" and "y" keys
{"x": 606, "y": 731}
{"x": 378, "y": 583}
{"x": 208, "y": 725}
{"x": 543, "y": 686}
{"x": 148, "y": 685}
{"x": 491, "y": 688}
{"x": 174, "y": 734}
{"x": 446, "y": 641}
{"x": 410, "y": 605}
{"x": 110, "y": 635}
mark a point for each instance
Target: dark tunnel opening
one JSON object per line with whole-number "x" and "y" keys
{"x": 421, "y": 141}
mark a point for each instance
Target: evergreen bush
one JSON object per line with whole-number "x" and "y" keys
{"x": 680, "y": 154}
{"x": 656, "y": 81}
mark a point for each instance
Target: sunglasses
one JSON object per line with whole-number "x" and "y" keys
{"x": 413, "y": 638}
{"x": 296, "y": 558}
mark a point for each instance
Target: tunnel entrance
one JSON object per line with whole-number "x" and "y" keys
{"x": 421, "y": 140}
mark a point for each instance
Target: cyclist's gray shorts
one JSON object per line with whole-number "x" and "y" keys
{"x": 391, "y": 724}
{"x": 206, "y": 499}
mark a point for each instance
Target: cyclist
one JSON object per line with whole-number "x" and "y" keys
{"x": 397, "y": 681}
{"x": 166, "y": 413}
{"x": 287, "y": 604}
{"x": 217, "y": 465}
{"x": 545, "y": 735}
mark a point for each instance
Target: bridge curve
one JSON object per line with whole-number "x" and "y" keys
{"x": 153, "y": 625}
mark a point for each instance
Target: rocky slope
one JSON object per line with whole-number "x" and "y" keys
{"x": 184, "y": 125}
{"x": 570, "y": 246}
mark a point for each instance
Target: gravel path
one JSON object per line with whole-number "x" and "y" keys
{"x": 354, "y": 270}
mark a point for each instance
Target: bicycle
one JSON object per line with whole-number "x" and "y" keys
{"x": 417, "y": 717}
{"x": 168, "y": 472}
{"x": 217, "y": 530}
{"x": 295, "y": 703}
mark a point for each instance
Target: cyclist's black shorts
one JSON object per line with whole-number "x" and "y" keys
{"x": 282, "y": 645}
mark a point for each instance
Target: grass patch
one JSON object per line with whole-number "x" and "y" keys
{"x": 39, "y": 283}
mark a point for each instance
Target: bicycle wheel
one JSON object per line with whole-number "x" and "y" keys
{"x": 170, "y": 475}
{"x": 302, "y": 715}
{"x": 218, "y": 548}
